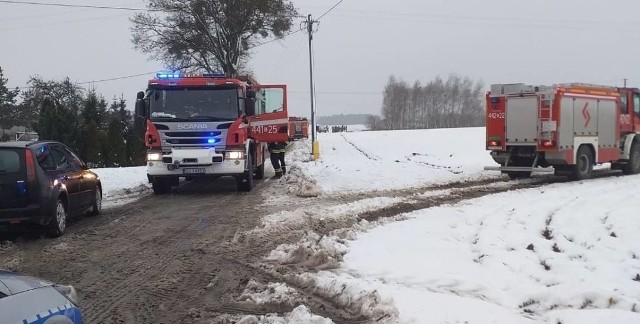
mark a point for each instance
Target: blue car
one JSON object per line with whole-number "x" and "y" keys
{"x": 29, "y": 300}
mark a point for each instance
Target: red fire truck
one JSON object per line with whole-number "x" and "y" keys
{"x": 564, "y": 129}
{"x": 298, "y": 128}
{"x": 209, "y": 125}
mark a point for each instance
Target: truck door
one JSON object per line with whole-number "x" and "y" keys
{"x": 270, "y": 123}
{"x": 636, "y": 112}
{"x": 626, "y": 112}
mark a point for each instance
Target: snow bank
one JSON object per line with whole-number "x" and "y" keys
{"x": 122, "y": 185}
{"x": 349, "y": 294}
{"x": 272, "y": 293}
{"x": 300, "y": 315}
{"x": 313, "y": 251}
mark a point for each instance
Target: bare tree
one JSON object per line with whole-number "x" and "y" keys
{"x": 212, "y": 35}
{"x": 456, "y": 102}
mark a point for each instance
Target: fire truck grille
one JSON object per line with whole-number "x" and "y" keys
{"x": 192, "y": 134}
{"x": 188, "y": 141}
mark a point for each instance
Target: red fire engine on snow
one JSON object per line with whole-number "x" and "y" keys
{"x": 298, "y": 128}
{"x": 565, "y": 129}
{"x": 209, "y": 125}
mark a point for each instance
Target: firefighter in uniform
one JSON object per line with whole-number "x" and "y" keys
{"x": 276, "y": 152}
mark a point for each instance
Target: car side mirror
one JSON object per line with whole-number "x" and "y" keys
{"x": 141, "y": 110}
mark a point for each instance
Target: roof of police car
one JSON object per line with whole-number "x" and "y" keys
{"x": 18, "y": 283}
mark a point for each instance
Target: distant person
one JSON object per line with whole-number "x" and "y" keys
{"x": 276, "y": 152}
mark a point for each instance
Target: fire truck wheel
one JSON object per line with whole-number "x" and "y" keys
{"x": 584, "y": 164}
{"x": 160, "y": 186}
{"x": 633, "y": 166}
{"x": 259, "y": 174}
{"x": 244, "y": 182}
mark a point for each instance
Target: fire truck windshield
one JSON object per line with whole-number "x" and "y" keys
{"x": 182, "y": 104}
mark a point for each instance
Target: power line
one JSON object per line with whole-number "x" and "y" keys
{"x": 328, "y": 11}
{"x": 275, "y": 39}
{"x": 21, "y": 27}
{"x": 117, "y": 78}
{"x": 68, "y": 5}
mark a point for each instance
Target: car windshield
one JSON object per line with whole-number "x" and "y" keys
{"x": 194, "y": 104}
{"x": 9, "y": 161}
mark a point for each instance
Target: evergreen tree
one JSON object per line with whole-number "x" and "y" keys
{"x": 67, "y": 101}
{"x": 135, "y": 143}
{"x": 94, "y": 108}
{"x": 93, "y": 145}
{"x": 48, "y": 122}
{"x": 58, "y": 123}
{"x": 7, "y": 102}
{"x": 116, "y": 149}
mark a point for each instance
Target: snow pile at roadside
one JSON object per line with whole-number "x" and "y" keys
{"x": 272, "y": 293}
{"x": 313, "y": 251}
{"x": 122, "y": 185}
{"x": 300, "y": 315}
{"x": 349, "y": 294}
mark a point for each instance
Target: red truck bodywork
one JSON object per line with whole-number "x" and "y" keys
{"x": 210, "y": 147}
{"x": 565, "y": 129}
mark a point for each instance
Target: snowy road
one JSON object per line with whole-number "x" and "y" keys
{"x": 190, "y": 254}
{"x": 372, "y": 233}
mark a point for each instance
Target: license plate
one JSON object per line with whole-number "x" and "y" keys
{"x": 194, "y": 171}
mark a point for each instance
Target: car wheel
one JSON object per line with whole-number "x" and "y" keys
{"x": 58, "y": 222}
{"x": 97, "y": 202}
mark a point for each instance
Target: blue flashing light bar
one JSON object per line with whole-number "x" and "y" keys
{"x": 168, "y": 75}
{"x": 211, "y": 141}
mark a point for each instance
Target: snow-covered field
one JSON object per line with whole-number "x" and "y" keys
{"x": 561, "y": 253}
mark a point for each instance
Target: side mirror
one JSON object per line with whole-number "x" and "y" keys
{"x": 250, "y": 106}
{"x": 141, "y": 110}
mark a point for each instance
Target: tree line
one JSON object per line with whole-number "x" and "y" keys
{"x": 455, "y": 102}
{"x": 103, "y": 134}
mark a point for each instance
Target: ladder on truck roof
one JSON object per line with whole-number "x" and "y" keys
{"x": 517, "y": 89}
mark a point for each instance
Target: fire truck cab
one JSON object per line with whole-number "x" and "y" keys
{"x": 563, "y": 129}
{"x": 209, "y": 125}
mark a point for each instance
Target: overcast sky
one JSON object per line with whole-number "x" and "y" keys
{"x": 357, "y": 47}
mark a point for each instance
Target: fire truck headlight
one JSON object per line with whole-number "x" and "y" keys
{"x": 154, "y": 156}
{"x": 234, "y": 155}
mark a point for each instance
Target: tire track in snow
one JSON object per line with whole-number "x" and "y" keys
{"x": 369, "y": 156}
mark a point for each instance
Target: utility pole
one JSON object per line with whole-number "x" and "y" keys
{"x": 315, "y": 145}
{"x": 625, "y": 83}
